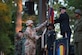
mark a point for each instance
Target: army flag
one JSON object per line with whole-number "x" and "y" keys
{"x": 51, "y": 15}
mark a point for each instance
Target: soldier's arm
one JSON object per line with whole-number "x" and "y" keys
{"x": 40, "y": 26}
{"x": 61, "y": 18}
{"x": 79, "y": 29}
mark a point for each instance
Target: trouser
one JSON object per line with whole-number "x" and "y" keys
{"x": 67, "y": 35}
{"x": 78, "y": 48}
{"x": 50, "y": 51}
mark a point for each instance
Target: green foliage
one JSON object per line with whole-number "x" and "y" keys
{"x": 6, "y": 29}
{"x": 56, "y": 6}
{"x": 5, "y": 43}
{"x": 5, "y": 19}
{"x": 75, "y": 3}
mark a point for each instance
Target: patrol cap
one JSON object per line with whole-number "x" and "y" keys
{"x": 78, "y": 11}
{"x": 62, "y": 8}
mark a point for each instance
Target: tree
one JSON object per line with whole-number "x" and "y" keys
{"x": 5, "y": 21}
{"x": 75, "y": 3}
{"x": 4, "y": 17}
{"x": 19, "y": 16}
{"x": 5, "y": 43}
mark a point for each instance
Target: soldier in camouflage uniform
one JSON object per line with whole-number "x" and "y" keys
{"x": 31, "y": 36}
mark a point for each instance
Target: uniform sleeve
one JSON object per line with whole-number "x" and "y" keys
{"x": 61, "y": 18}
{"x": 40, "y": 26}
{"x": 79, "y": 28}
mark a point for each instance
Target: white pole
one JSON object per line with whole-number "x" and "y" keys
{"x": 42, "y": 38}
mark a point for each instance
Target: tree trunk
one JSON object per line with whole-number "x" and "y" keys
{"x": 19, "y": 16}
{"x": 42, "y": 10}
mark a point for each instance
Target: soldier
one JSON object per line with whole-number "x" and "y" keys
{"x": 78, "y": 33}
{"x": 64, "y": 25}
{"x": 50, "y": 38}
{"x": 18, "y": 43}
{"x": 31, "y": 36}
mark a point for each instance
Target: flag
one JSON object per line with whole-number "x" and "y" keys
{"x": 51, "y": 15}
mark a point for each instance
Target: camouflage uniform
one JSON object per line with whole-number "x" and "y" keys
{"x": 31, "y": 35}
